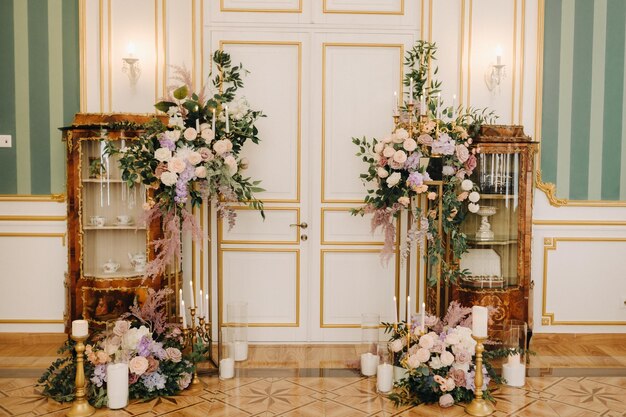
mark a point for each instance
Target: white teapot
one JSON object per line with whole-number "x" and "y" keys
{"x": 110, "y": 266}
{"x": 138, "y": 261}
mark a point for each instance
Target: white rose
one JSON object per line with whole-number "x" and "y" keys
{"x": 220, "y": 147}
{"x": 172, "y": 135}
{"x": 447, "y": 170}
{"x": 208, "y": 135}
{"x": 379, "y": 147}
{"x": 423, "y": 355}
{"x": 473, "y": 207}
{"x": 231, "y": 163}
{"x": 190, "y": 133}
{"x": 401, "y": 135}
{"x": 138, "y": 365}
{"x": 396, "y": 345}
{"x": 452, "y": 339}
{"x": 426, "y": 341}
{"x": 413, "y": 361}
{"x": 387, "y": 139}
{"x": 399, "y": 157}
{"x": 200, "y": 171}
{"x": 410, "y": 145}
{"x": 435, "y": 363}
{"x": 176, "y": 165}
{"x": 447, "y": 358}
{"x": 388, "y": 152}
{"x": 474, "y": 197}
{"x": 393, "y": 179}
{"x": 131, "y": 339}
{"x": 194, "y": 158}
{"x": 162, "y": 154}
{"x": 404, "y": 201}
{"x": 467, "y": 185}
{"x": 121, "y": 327}
{"x": 382, "y": 172}
{"x": 169, "y": 178}
{"x": 173, "y": 354}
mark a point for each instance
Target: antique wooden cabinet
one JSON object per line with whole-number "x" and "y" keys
{"x": 107, "y": 240}
{"x": 499, "y": 235}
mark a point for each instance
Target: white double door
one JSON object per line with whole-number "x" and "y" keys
{"x": 310, "y": 270}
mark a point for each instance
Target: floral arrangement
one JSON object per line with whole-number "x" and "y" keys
{"x": 195, "y": 155}
{"x": 397, "y": 171}
{"x": 152, "y": 348}
{"x": 439, "y": 359}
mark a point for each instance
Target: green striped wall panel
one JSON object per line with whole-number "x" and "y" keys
{"x": 39, "y": 86}
{"x": 583, "y": 138}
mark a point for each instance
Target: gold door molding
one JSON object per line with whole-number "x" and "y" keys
{"x": 56, "y": 198}
{"x": 31, "y": 321}
{"x": 220, "y": 229}
{"x": 550, "y": 244}
{"x": 376, "y": 251}
{"x": 334, "y": 242}
{"x": 252, "y": 10}
{"x": 15, "y": 218}
{"x": 220, "y": 284}
{"x": 299, "y": 133}
{"x": 325, "y": 45}
{"x": 326, "y": 10}
{"x": 28, "y": 234}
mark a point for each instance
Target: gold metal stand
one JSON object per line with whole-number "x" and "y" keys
{"x": 199, "y": 331}
{"x": 80, "y": 405}
{"x": 479, "y": 406}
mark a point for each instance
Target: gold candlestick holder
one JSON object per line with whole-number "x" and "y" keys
{"x": 199, "y": 330}
{"x": 80, "y": 405}
{"x": 479, "y": 406}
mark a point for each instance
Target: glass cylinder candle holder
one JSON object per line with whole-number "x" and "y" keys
{"x": 237, "y": 316}
{"x": 227, "y": 360}
{"x": 370, "y": 329}
{"x": 514, "y": 366}
{"x": 116, "y": 370}
{"x": 384, "y": 373}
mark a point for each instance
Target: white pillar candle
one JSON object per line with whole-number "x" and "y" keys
{"x": 514, "y": 359}
{"x": 200, "y": 305}
{"x": 191, "y": 294}
{"x": 227, "y": 123}
{"x": 410, "y": 90}
{"x": 198, "y": 125}
{"x": 213, "y": 122}
{"x": 80, "y": 328}
{"x": 395, "y": 103}
{"x": 479, "y": 321}
{"x": 423, "y": 102}
{"x": 241, "y": 351}
{"x": 408, "y": 311}
{"x": 384, "y": 377}
{"x": 395, "y": 309}
{"x": 514, "y": 374}
{"x": 183, "y": 314}
{"x": 180, "y": 300}
{"x": 423, "y": 317}
{"x": 117, "y": 385}
{"x": 369, "y": 362}
{"x": 227, "y": 368}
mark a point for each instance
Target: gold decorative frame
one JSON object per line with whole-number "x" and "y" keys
{"x": 39, "y": 234}
{"x": 400, "y": 92}
{"x": 326, "y": 10}
{"x": 376, "y": 251}
{"x": 299, "y": 135}
{"x": 550, "y": 244}
{"x": 220, "y": 284}
{"x": 243, "y": 10}
{"x": 220, "y": 228}
{"x": 57, "y": 198}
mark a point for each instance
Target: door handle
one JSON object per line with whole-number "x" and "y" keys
{"x": 302, "y": 225}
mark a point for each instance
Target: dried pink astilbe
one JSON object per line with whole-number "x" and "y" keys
{"x": 384, "y": 218}
{"x": 152, "y": 311}
{"x": 417, "y": 235}
{"x": 456, "y": 314}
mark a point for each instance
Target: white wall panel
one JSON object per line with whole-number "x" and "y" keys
{"x": 449, "y": 46}
{"x": 364, "y": 6}
{"x": 340, "y": 227}
{"x": 257, "y": 277}
{"x": 273, "y": 6}
{"x": 251, "y": 228}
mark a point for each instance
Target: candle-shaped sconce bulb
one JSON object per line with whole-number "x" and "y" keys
{"x": 498, "y": 55}
{"x": 131, "y": 49}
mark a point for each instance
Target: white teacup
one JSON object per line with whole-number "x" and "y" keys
{"x": 110, "y": 266}
{"x": 98, "y": 221}
{"x": 124, "y": 219}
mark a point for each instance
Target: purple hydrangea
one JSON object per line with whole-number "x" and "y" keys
{"x": 144, "y": 346}
{"x": 154, "y": 381}
{"x": 166, "y": 143}
{"x": 469, "y": 379}
{"x": 182, "y": 184}
{"x": 158, "y": 351}
{"x": 413, "y": 161}
{"x": 415, "y": 179}
{"x": 443, "y": 145}
{"x": 99, "y": 375}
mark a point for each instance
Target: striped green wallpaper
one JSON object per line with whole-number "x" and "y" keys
{"x": 583, "y": 138}
{"x": 39, "y": 86}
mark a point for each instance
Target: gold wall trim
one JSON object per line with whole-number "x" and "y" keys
{"x": 326, "y": 10}
{"x": 248, "y": 10}
{"x": 24, "y": 234}
{"x": 101, "y": 41}
{"x": 164, "y": 46}
{"x": 462, "y": 55}
{"x": 110, "y": 30}
{"x": 514, "y": 57}
{"x": 56, "y": 198}
{"x": 323, "y": 252}
{"x": 12, "y": 218}
{"x": 579, "y": 223}
{"x": 31, "y": 321}
{"x": 299, "y": 133}
{"x": 550, "y": 244}
{"x": 325, "y": 45}
{"x": 220, "y": 282}
{"x": 522, "y": 69}
{"x": 333, "y": 242}
{"x": 220, "y": 228}
{"x": 156, "y": 51}
{"x": 82, "y": 48}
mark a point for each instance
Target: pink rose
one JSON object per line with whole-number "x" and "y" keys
{"x": 423, "y": 355}
{"x": 173, "y": 354}
{"x": 413, "y": 362}
{"x": 194, "y": 158}
{"x": 425, "y": 140}
{"x": 184, "y": 380}
{"x": 470, "y": 164}
{"x": 426, "y": 342}
{"x": 397, "y": 345}
{"x": 102, "y": 357}
{"x": 400, "y": 157}
{"x": 388, "y": 152}
{"x": 396, "y": 165}
{"x": 410, "y": 145}
{"x": 153, "y": 365}
{"x": 462, "y": 152}
{"x": 432, "y": 195}
{"x": 190, "y": 133}
{"x": 378, "y": 148}
{"x": 208, "y": 135}
{"x": 404, "y": 201}
{"x": 132, "y": 378}
{"x": 122, "y": 326}
{"x": 176, "y": 165}
{"x": 458, "y": 376}
{"x": 138, "y": 365}
{"x": 447, "y": 358}
{"x": 446, "y": 401}
{"x": 401, "y": 135}
{"x": 463, "y": 356}
{"x": 200, "y": 171}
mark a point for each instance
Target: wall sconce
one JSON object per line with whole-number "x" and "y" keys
{"x": 495, "y": 72}
{"x": 130, "y": 65}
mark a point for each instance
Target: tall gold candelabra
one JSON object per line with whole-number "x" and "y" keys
{"x": 80, "y": 405}
{"x": 479, "y": 406}
{"x": 199, "y": 332}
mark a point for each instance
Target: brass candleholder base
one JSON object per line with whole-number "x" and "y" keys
{"x": 80, "y": 405}
{"x": 479, "y": 406}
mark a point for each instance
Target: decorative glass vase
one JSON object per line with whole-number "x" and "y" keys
{"x": 117, "y": 370}
{"x": 237, "y": 316}
{"x": 370, "y": 325}
{"x": 514, "y": 367}
{"x": 384, "y": 374}
{"x": 227, "y": 359}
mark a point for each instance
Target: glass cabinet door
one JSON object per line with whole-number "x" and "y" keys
{"x": 493, "y": 241}
{"x": 114, "y": 238}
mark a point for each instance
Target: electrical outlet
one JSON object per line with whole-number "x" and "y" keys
{"x": 5, "y": 141}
